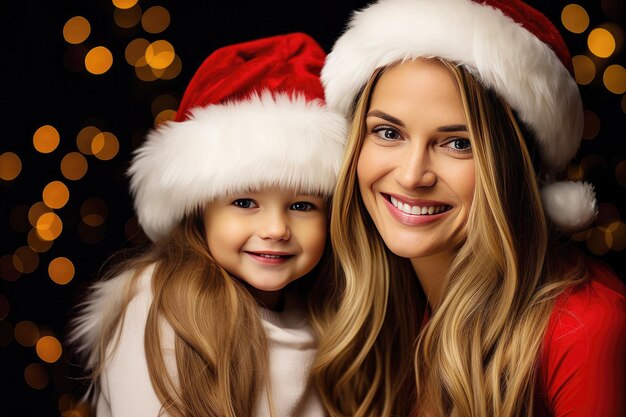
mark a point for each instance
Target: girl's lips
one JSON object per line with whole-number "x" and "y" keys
{"x": 414, "y": 219}
{"x": 270, "y": 258}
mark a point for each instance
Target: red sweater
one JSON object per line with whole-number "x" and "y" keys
{"x": 583, "y": 360}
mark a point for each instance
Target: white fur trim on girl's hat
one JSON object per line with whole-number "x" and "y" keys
{"x": 253, "y": 116}
{"x": 509, "y": 46}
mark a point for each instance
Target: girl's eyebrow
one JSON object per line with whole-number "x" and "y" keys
{"x": 385, "y": 116}
{"x": 452, "y": 128}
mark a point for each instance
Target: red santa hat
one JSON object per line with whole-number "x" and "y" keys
{"x": 510, "y": 47}
{"x": 252, "y": 116}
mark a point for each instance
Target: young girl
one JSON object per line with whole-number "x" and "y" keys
{"x": 462, "y": 111}
{"x": 215, "y": 319}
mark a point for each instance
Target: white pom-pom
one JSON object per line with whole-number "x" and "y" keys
{"x": 571, "y": 205}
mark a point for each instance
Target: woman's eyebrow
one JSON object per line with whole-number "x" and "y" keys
{"x": 385, "y": 116}
{"x": 452, "y": 128}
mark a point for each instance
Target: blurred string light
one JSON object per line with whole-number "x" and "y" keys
{"x": 127, "y": 18}
{"x": 46, "y": 139}
{"x": 49, "y": 349}
{"x": 61, "y": 270}
{"x": 575, "y": 18}
{"x": 601, "y": 43}
{"x": 124, "y": 4}
{"x": 55, "y": 195}
{"x": 155, "y": 20}
{"x": 49, "y": 226}
{"x": 584, "y": 69}
{"x": 94, "y": 211}
{"x": 84, "y": 139}
{"x": 26, "y": 333}
{"x": 25, "y": 259}
{"x": 614, "y": 79}
{"x": 105, "y": 146}
{"x": 591, "y": 125}
{"x": 36, "y": 376}
{"x": 76, "y": 30}
{"x": 135, "y": 50}
{"x": 36, "y": 243}
{"x": 98, "y": 60}
{"x": 74, "y": 166}
{"x": 10, "y": 166}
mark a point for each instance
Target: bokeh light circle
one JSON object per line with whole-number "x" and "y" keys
{"x": 36, "y": 376}
{"x": 105, "y": 146}
{"x": 614, "y": 79}
{"x": 601, "y": 43}
{"x": 26, "y": 333}
{"x": 49, "y": 226}
{"x": 155, "y": 20}
{"x": 584, "y": 69}
{"x": 98, "y": 60}
{"x": 124, "y": 4}
{"x": 160, "y": 54}
{"x": 46, "y": 139}
{"x": 25, "y": 259}
{"x": 575, "y": 18}
{"x": 49, "y": 349}
{"x": 76, "y": 30}
{"x": 135, "y": 50}
{"x": 10, "y": 166}
{"x": 61, "y": 270}
{"x": 84, "y": 139}
{"x": 55, "y": 195}
{"x": 74, "y": 166}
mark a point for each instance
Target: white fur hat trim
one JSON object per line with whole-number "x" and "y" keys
{"x": 570, "y": 204}
{"x": 266, "y": 140}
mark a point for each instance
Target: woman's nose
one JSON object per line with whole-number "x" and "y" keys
{"x": 415, "y": 169}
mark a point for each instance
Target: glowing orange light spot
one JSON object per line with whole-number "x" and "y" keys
{"x": 584, "y": 69}
{"x": 46, "y": 139}
{"x": 601, "y": 43}
{"x": 155, "y": 20}
{"x": 76, "y": 30}
{"x": 173, "y": 70}
{"x": 575, "y": 18}
{"x": 84, "y": 138}
{"x": 160, "y": 54}
{"x": 36, "y": 243}
{"x": 56, "y": 195}
{"x": 49, "y": 226}
{"x": 98, "y": 60}
{"x": 61, "y": 270}
{"x": 124, "y": 4}
{"x": 127, "y": 18}
{"x": 105, "y": 146}
{"x": 28, "y": 259}
{"x": 143, "y": 70}
{"x": 10, "y": 166}
{"x": 35, "y": 211}
{"x": 26, "y": 333}
{"x": 36, "y": 376}
{"x": 135, "y": 50}
{"x": 164, "y": 116}
{"x": 73, "y": 166}
{"x": 49, "y": 349}
{"x": 615, "y": 79}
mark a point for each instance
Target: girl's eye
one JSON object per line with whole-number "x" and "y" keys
{"x": 245, "y": 203}
{"x": 459, "y": 145}
{"x": 386, "y": 133}
{"x": 302, "y": 206}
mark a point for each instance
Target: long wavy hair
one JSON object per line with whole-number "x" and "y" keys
{"x": 221, "y": 348}
{"x": 476, "y": 355}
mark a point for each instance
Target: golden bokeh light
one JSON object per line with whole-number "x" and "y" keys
{"x": 601, "y": 43}
{"x": 6, "y": 333}
{"x": 76, "y": 30}
{"x": 49, "y": 349}
{"x": 56, "y": 195}
{"x": 8, "y": 272}
{"x": 620, "y": 173}
{"x": 61, "y": 270}
{"x": 164, "y": 116}
{"x": 98, "y": 60}
{"x": 617, "y": 231}
{"x": 124, "y": 4}
{"x": 127, "y": 18}
{"x": 74, "y": 166}
{"x": 84, "y": 139}
{"x": 36, "y": 376}
{"x": 5, "y": 307}
{"x": 135, "y": 50}
{"x": 155, "y": 20}
{"x": 26, "y": 333}
{"x": 36, "y": 243}
{"x": 49, "y": 226}
{"x": 173, "y": 70}
{"x": 615, "y": 79}
{"x": 592, "y": 125}
{"x": 25, "y": 259}
{"x": 584, "y": 69}
{"x": 94, "y": 211}
{"x": 163, "y": 102}
{"x": 575, "y": 18}
{"x": 143, "y": 71}
{"x": 18, "y": 218}
{"x": 46, "y": 139}
{"x": 36, "y": 211}
{"x": 597, "y": 241}
{"x": 160, "y": 54}
{"x": 10, "y": 166}
{"x": 105, "y": 146}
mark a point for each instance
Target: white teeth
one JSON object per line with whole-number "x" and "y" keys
{"x": 408, "y": 209}
{"x": 264, "y": 255}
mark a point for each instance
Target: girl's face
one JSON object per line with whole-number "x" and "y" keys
{"x": 416, "y": 169}
{"x": 267, "y": 238}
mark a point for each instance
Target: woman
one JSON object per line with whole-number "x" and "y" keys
{"x": 461, "y": 113}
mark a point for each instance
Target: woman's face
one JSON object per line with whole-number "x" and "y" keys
{"x": 416, "y": 169}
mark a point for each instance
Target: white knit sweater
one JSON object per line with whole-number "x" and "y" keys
{"x": 126, "y": 390}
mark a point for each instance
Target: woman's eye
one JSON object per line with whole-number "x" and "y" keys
{"x": 386, "y": 133}
{"x": 302, "y": 206}
{"x": 459, "y": 144}
{"x": 245, "y": 203}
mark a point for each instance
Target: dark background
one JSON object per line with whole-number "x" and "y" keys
{"x": 41, "y": 87}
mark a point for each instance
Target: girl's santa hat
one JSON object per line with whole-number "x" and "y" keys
{"x": 510, "y": 47}
{"x": 252, "y": 116}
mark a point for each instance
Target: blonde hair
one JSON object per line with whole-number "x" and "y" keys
{"x": 220, "y": 345}
{"x": 477, "y": 355}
